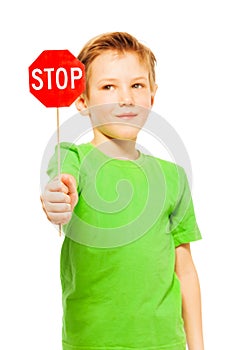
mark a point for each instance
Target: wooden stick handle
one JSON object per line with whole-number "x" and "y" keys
{"x": 58, "y": 155}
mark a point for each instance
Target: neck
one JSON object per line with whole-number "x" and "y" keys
{"x": 116, "y": 148}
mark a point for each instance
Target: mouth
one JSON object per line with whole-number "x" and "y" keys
{"x": 126, "y": 116}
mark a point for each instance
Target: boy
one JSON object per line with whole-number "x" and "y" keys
{"x": 128, "y": 279}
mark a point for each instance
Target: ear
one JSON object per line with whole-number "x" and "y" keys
{"x": 81, "y": 105}
{"x": 153, "y": 92}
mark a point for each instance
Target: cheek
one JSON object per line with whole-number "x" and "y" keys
{"x": 102, "y": 98}
{"x": 143, "y": 99}
{"x": 101, "y": 111}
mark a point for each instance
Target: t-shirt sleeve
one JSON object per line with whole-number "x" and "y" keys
{"x": 183, "y": 223}
{"x": 70, "y": 162}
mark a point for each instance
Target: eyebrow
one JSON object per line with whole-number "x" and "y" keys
{"x": 114, "y": 79}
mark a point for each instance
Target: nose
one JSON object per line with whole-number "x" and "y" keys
{"x": 125, "y": 97}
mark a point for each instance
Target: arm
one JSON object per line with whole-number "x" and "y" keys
{"x": 191, "y": 298}
{"x": 59, "y": 199}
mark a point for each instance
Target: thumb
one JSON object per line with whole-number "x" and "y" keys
{"x": 71, "y": 184}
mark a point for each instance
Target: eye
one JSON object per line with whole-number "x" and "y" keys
{"x": 137, "y": 86}
{"x": 108, "y": 87}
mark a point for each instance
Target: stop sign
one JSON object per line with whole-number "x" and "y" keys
{"x": 56, "y": 78}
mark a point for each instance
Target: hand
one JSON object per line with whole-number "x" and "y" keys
{"x": 59, "y": 199}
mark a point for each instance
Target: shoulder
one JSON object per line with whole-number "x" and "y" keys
{"x": 72, "y": 146}
{"x": 169, "y": 168}
{"x": 172, "y": 174}
{"x": 79, "y": 150}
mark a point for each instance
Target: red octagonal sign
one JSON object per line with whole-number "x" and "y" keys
{"x": 56, "y": 78}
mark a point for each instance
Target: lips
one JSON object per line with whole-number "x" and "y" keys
{"x": 126, "y": 115}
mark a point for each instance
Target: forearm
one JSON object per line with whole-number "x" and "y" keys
{"x": 191, "y": 301}
{"x": 191, "y": 297}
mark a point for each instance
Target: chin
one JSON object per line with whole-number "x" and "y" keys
{"x": 124, "y": 133}
{"x": 123, "y": 136}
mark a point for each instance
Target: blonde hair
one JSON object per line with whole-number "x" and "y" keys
{"x": 121, "y": 42}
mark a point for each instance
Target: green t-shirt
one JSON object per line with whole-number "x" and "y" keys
{"x": 119, "y": 288}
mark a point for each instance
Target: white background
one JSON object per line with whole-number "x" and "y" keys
{"x": 192, "y": 41}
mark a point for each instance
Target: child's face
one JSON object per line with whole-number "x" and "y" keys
{"x": 119, "y": 97}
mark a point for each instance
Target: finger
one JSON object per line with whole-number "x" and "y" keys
{"x": 43, "y": 206}
{"x": 58, "y": 207}
{"x": 56, "y": 197}
{"x": 73, "y": 199}
{"x": 57, "y": 186}
{"x": 70, "y": 182}
{"x": 59, "y": 218}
